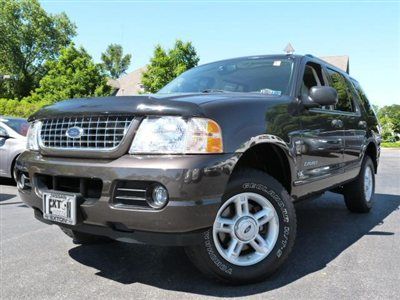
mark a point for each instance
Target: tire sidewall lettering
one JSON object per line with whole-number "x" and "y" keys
{"x": 285, "y": 215}
{"x": 213, "y": 256}
{"x": 273, "y": 195}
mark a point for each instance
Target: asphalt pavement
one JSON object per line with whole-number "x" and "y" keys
{"x": 337, "y": 255}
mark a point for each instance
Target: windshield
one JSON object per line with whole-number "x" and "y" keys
{"x": 18, "y": 125}
{"x": 248, "y": 75}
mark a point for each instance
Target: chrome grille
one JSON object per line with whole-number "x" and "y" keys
{"x": 97, "y": 132}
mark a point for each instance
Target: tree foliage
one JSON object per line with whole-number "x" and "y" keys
{"x": 72, "y": 75}
{"x": 392, "y": 112}
{"x": 115, "y": 63}
{"x": 29, "y": 36}
{"x": 388, "y": 133}
{"x": 19, "y": 108}
{"x": 166, "y": 65}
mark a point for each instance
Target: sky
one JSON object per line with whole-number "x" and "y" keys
{"x": 367, "y": 31}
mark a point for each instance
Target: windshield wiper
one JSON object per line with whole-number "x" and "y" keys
{"x": 213, "y": 91}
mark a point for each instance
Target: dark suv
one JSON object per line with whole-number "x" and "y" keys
{"x": 212, "y": 162}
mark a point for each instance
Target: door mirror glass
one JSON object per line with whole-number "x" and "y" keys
{"x": 321, "y": 96}
{"x": 3, "y": 133}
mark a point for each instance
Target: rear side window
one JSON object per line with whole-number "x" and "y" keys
{"x": 2, "y": 140}
{"x": 363, "y": 98}
{"x": 20, "y": 126}
{"x": 344, "y": 91}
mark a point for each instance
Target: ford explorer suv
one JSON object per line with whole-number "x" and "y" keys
{"x": 213, "y": 162}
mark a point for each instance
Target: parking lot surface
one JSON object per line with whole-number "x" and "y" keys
{"x": 337, "y": 255}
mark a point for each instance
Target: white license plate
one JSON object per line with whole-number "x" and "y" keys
{"x": 59, "y": 207}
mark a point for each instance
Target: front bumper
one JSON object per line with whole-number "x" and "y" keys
{"x": 195, "y": 184}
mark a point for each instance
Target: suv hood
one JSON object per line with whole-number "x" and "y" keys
{"x": 187, "y": 105}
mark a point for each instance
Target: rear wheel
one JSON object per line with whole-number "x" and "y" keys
{"x": 253, "y": 232}
{"x": 84, "y": 238}
{"x": 359, "y": 194}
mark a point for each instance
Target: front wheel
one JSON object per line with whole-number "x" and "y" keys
{"x": 253, "y": 232}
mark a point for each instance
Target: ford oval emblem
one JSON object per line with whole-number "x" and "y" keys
{"x": 74, "y": 132}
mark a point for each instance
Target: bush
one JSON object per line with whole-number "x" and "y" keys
{"x": 23, "y": 108}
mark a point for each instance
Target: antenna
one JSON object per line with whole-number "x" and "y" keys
{"x": 289, "y": 49}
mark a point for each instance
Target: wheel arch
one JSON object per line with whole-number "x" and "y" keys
{"x": 272, "y": 158}
{"x": 372, "y": 151}
{"x": 13, "y": 164}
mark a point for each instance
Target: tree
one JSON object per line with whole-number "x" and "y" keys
{"x": 158, "y": 73}
{"x": 392, "y": 112}
{"x": 72, "y": 75}
{"x": 29, "y": 37}
{"x": 166, "y": 65}
{"x": 388, "y": 132}
{"x": 114, "y": 62}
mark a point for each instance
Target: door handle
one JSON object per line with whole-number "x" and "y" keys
{"x": 336, "y": 123}
{"x": 362, "y": 124}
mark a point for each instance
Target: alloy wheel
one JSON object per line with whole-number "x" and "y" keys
{"x": 246, "y": 229}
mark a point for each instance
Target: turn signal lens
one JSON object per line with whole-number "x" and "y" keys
{"x": 204, "y": 136}
{"x": 214, "y": 141}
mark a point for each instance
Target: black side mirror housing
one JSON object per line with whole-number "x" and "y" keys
{"x": 321, "y": 96}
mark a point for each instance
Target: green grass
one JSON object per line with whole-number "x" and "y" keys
{"x": 390, "y": 145}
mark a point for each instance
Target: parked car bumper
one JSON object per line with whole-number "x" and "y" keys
{"x": 195, "y": 184}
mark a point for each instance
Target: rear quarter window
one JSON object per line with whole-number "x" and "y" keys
{"x": 363, "y": 98}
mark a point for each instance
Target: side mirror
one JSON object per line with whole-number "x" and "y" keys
{"x": 3, "y": 133}
{"x": 321, "y": 96}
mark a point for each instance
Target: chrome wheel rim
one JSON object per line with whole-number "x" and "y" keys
{"x": 246, "y": 229}
{"x": 368, "y": 183}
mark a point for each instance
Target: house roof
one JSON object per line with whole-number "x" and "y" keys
{"x": 129, "y": 84}
{"x": 339, "y": 61}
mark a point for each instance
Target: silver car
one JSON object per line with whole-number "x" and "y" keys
{"x": 12, "y": 143}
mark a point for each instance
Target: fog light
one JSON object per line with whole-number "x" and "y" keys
{"x": 159, "y": 197}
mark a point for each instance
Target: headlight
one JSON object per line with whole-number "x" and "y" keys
{"x": 33, "y": 136}
{"x": 177, "y": 135}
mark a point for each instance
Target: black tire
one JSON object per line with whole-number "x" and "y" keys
{"x": 206, "y": 257}
{"x": 84, "y": 238}
{"x": 354, "y": 194}
{"x": 12, "y": 169}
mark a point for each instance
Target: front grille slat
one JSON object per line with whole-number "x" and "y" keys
{"x": 99, "y": 132}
